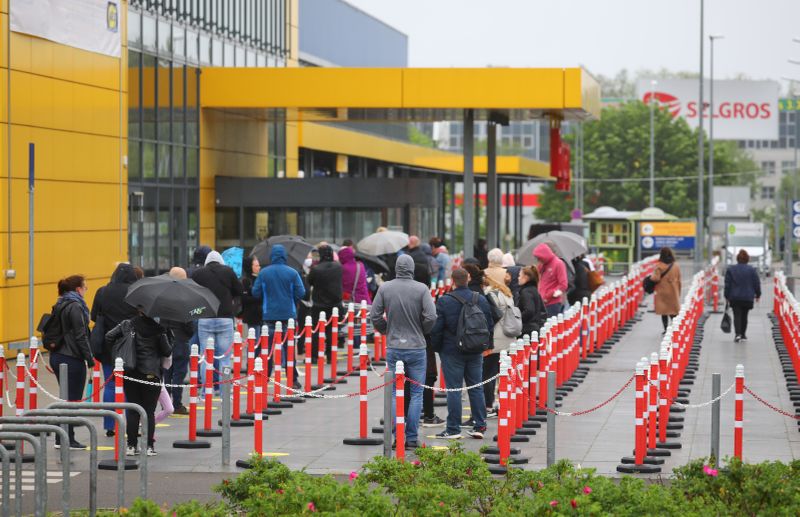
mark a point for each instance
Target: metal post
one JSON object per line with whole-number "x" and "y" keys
{"x": 225, "y": 391}
{"x": 715, "y": 407}
{"x": 388, "y": 425}
{"x": 40, "y": 466}
{"x": 711, "y": 38}
{"x": 551, "y": 418}
{"x": 652, "y": 145}
{"x": 469, "y": 181}
{"x": 698, "y": 246}
{"x": 6, "y": 498}
{"x": 63, "y": 389}
{"x": 492, "y": 214}
{"x": 31, "y": 163}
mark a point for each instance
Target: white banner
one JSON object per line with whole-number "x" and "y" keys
{"x": 92, "y": 25}
{"x": 743, "y": 110}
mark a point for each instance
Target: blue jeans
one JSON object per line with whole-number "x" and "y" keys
{"x": 108, "y": 395}
{"x": 177, "y": 373}
{"x": 221, "y": 329}
{"x": 554, "y": 309}
{"x": 459, "y": 369}
{"x": 414, "y": 363}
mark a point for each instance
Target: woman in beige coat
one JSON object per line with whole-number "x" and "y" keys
{"x": 667, "y": 276}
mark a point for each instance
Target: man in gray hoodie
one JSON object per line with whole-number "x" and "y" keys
{"x": 410, "y": 314}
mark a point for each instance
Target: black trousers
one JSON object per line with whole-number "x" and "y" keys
{"x": 491, "y": 367}
{"x": 740, "y": 311}
{"x": 146, "y": 396}
{"x": 76, "y": 380}
{"x": 431, "y": 374}
{"x": 177, "y": 373}
{"x": 666, "y": 319}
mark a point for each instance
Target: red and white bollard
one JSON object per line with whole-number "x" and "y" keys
{"x": 636, "y": 463}
{"x": 192, "y": 442}
{"x": 504, "y": 417}
{"x": 208, "y": 391}
{"x": 290, "y": 364}
{"x": 119, "y": 398}
{"x": 97, "y": 388}
{"x": 321, "y": 350}
{"x": 251, "y": 356}
{"x": 20, "y": 402}
{"x": 351, "y": 314}
{"x": 363, "y": 401}
{"x": 533, "y": 376}
{"x": 263, "y": 343}
{"x": 400, "y": 408}
{"x": 34, "y": 373}
{"x": 260, "y": 381}
{"x": 2, "y": 375}
{"x": 334, "y": 375}
{"x": 738, "y": 429}
{"x": 236, "y": 417}
{"x": 309, "y": 351}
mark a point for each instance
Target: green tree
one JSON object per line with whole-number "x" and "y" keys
{"x": 617, "y": 158}
{"x": 553, "y": 206}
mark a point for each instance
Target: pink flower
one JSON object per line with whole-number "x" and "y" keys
{"x": 353, "y": 475}
{"x": 310, "y": 507}
{"x": 416, "y": 463}
{"x": 553, "y": 503}
{"x": 574, "y": 503}
{"x": 587, "y": 490}
{"x": 709, "y": 471}
{"x": 280, "y": 491}
{"x": 541, "y": 485}
{"x": 441, "y": 503}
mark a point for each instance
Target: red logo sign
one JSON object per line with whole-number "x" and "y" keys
{"x": 665, "y": 100}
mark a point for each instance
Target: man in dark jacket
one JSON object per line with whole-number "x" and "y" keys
{"x": 742, "y": 288}
{"x": 459, "y": 367}
{"x": 222, "y": 281}
{"x": 109, "y": 309}
{"x": 325, "y": 281}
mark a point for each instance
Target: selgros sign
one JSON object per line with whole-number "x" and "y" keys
{"x": 743, "y": 110}
{"x": 678, "y": 235}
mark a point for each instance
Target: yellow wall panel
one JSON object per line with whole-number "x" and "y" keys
{"x": 3, "y": 6}
{"x": 208, "y": 236}
{"x": 41, "y": 57}
{"x": 292, "y": 149}
{"x": 20, "y": 51}
{"x": 3, "y": 93}
{"x": 3, "y": 39}
{"x": 64, "y": 63}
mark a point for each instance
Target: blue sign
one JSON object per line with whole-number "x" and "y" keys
{"x": 796, "y": 218}
{"x": 656, "y": 242}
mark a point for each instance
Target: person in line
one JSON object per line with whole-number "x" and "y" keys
{"x": 414, "y": 249}
{"x": 531, "y": 305}
{"x": 222, "y": 281}
{"x": 75, "y": 350}
{"x": 667, "y": 276}
{"x": 151, "y": 345}
{"x": 109, "y": 309}
{"x": 513, "y": 275}
{"x": 410, "y": 314}
{"x": 581, "y": 289}
{"x": 496, "y": 271}
{"x": 325, "y": 282}
{"x": 460, "y": 368}
{"x": 251, "y": 305}
{"x": 181, "y": 335}
{"x": 552, "y": 278}
{"x": 198, "y": 261}
{"x": 354, "y": 278}
{"x": 445, "y": 263}
{"x": 742, "y": 287}
{"x": 482, "y": 253}
{"x": 433, "y": 264}
{"x": 500, "y": 297}
{"x": 280, "y": 289}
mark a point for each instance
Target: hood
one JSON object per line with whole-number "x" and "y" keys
{"x": 325, "y": 254}
{"x": 200, "y": 254}
{"x": 347, "y": 255}
{"x": 404, "y": 267}
{"x": 277, "y": 255}
{"x": 214, "y": 256}
{"x": 508, "y": 260}
{"x": 426, "y": 248}
{"x": 543, "y": 253}
{"x": 124, "y": 274}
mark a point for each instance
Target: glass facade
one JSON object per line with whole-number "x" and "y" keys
{"x": 168, "y": 41}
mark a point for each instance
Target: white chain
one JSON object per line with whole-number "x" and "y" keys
{"x": 8, "y": 400}
{"x": 465, "y": 388}
{"x": 160, "y": 384}
{"x": 695, "y": 406}
{"x": 313, "y": 394}
{"x": 379, "y": 375}
{"x": 36, "y": 381}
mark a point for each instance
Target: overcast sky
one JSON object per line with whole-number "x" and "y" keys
{"x": 605, "y": 36}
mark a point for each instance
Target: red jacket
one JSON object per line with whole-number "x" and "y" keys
{"x": 552, "y": 275}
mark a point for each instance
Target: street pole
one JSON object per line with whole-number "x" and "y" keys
{"x": 711, "y": 38}
{"x": 652, "y": 145}
{"x": 469, "y": 182}
{"x": 698, "y": 246}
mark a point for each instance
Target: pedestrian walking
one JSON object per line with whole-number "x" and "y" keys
{"x": 325, "y": 283}
{"x": 410, "y": 314}
{"x": 581, "y": 289}
{"x": 742, "y": 287}
{"x": 109, "y": 309}
{"x": 181, "y": 336}
{"x": 531, "y": 305}
{"x": 460, "y": 364}
{"x": 73, "y": 349}
{"x": 222, "y": 281}
{"x": 552, "y": 278}
{"x": 354, "y": 277}
{"x": 667, "y": 276}
{"x": 142, "y": 385}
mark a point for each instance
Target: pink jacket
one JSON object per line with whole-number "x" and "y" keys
{"x": 552, "y": 274}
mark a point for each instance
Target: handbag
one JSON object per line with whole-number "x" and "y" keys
{"x": 725, "y": 325}
{"x": 649, "y": 285}
{"x": 125, "y": 346}
{"x": 97, "y": 337}
{"x": 595, "y": 280}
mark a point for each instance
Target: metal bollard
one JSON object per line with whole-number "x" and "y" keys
{"x": 6, "y": 495}
{"x": 225, "y": 390}
{"x": 551, "y": 418}
{"x": 41, "y": 473}
{"x": 716, "y": 380}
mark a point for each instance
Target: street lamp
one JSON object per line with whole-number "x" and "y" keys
{"x": 698, "y": 246}
{"x": 652, "y": 146}
{"x": 711, "y": 39}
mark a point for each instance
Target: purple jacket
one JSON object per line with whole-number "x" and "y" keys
{"x": 348, "y": 259}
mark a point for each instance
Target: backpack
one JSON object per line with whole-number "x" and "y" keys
{"x": 510, "y": 324}
{"x": 52, "y": 329}
{"x": 472, "y": 332}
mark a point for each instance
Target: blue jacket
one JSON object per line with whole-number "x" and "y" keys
{"x": 448, "y": 309}
{"x": 279, "y": 286}
{"x": 742, "y": 283}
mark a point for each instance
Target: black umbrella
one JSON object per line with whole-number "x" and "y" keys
{"x": 172, "y": 299}
{"x": 378, "y": 265}
{"x": 297, "y": 250}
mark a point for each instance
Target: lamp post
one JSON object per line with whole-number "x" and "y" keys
{"x": 652, "y": 145}
{"x": 711, "y": 38}
{"x": 698, "y": 247}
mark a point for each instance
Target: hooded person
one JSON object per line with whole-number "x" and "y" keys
{"x": 109, "y": 309}
{"x": 354, "y": 277}
{"x": 325, "y": 283}
{"x": 280, "y": 288}
{"x": 222, "y": 281}
{"x": 552, "y": 278}
{"x": 410, "y": 314}
{"x": 198, "y": 259}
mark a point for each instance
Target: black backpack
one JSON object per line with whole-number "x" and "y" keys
{"x": 52, "y": 329}
{"x": 472, "y": 332}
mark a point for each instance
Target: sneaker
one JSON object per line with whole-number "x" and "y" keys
{"x": 414, "y": 445}
{"x": 435, "y": 421}
{"x": 151, "y": 451}
{"x": 181, "y": 410}
{"x": 131, "y": 451}
{"x": 77, "y": 446}
{"x": 491, "y": 413}
{"x": 737, "y": 339}
{"x": 446, "y": 435}
{"x": 477, "y": 432}
{"x": 109, "y": 433}
{"x": 743, "y": 337}
{"x": 469, "y": 424}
